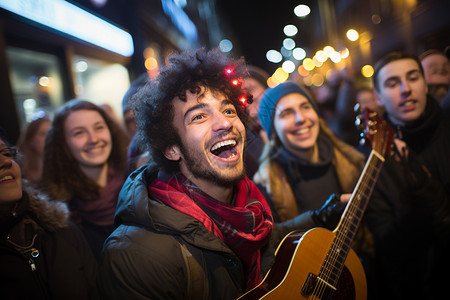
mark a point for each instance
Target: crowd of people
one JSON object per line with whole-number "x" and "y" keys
{"x": 211, "y": 170}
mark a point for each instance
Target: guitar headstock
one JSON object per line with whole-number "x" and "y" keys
{"x": 377, "y": 131}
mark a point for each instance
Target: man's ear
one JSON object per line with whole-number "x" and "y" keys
{"x": 378, "y": 98}
{"x": 173, "y": 153}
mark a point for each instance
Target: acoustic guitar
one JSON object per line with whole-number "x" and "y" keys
{"x": 320, "y": 263}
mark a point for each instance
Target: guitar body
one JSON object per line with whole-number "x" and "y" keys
{"x": 320, "y": 264}
{"x": 300, "y": 255}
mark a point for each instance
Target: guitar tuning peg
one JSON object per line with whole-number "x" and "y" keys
{"x": 362, "y": 142}
{"x": 359, "y": 122}
{"x": 357, "y": 108}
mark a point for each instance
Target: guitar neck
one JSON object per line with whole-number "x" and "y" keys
{"x": 351, "y": 218}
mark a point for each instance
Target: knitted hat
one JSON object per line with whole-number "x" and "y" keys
{"x": 270, "y": 99}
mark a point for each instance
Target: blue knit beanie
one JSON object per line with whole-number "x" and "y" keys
{"x": 270, "y": 99}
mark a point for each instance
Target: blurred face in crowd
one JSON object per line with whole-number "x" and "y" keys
{"x": 130, "y": 123}
{"x": 212, "y": 139}
{"x": 88, "y": 138}
{"x": 402, "y": 90}
{"x": 257, "y": 90}
{"x": 10, "y": 176}
{"x": 437, "y": 69}
{"x": 366, "y": 100}
{"x": 37, "y": 142}
{"x": 296, "y": 124}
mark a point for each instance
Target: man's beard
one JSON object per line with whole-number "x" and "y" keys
{"x": 194, "y": 162}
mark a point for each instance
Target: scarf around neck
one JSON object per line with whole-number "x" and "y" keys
{"x": 244, "y": 226}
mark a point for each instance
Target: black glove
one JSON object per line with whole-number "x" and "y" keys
{"x": 330, "y": 213}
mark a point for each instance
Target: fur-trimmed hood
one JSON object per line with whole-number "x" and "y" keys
{"x": 49, "y": 214}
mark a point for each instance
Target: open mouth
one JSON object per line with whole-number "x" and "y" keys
{"x": 6, "y": 178}
{"x": 224, "y": 149}
{"x": 302, "y": 131}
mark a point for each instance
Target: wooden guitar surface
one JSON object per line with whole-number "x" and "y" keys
{"x": 300, "y": 255}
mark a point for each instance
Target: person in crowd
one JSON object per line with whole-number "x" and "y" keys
{"x": 127, "y": 101}
{"x": 31, "y": 146}
{"x": 84, "y": 166}
{"x": 191, "y": 225}
{"x": 307, "y": 174}
{"x": 136, "y": 155}
{"x": 409, "y": 214}
{"x": 335, "y": 100}
{"x": 436, "y": 67}
{"x": 304, "y": 162}
{"x": 42, "y": 254}
{"x": 255, "y": 83}
{"x": 365, "y": 98}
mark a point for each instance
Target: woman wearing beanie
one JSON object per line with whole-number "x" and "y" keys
{"x": 304, "y": 164}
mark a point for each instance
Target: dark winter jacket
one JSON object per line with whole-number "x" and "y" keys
{"x": 283, "y": 192}
{"x": 160, "y": 253}
{"x": 42, "y": 256}
{"x": 409, "y": 214}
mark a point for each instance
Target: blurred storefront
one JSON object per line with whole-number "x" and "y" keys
{"x": 55, "y": 50}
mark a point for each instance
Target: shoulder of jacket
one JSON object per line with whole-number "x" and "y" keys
{"x": 50, "y": 214}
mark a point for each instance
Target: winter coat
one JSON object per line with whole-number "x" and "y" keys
{"x": 160, "y": 253}
{"x": 274, "y": 184}
{"x": 409, "y": 214}
{"x": 42, "y": 256}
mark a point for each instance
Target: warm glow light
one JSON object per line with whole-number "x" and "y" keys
{"x": 321, "y": 56}
{"x": 352, "y": 35}
{"x": 317, "y": 79}
{"x": 302, "y": 71}
{"x": 345, "y": 53}
{"x": 280, "y": 75}
{"x": 151, "y": 63}
{"x": 316, "y": 62}
{"x": 44, "y": 81}
{"x": 308, "y": 64}
{"x": 335, "y": 57}
{"x": 328, "y": 50}
{"x": 367, "y": 71}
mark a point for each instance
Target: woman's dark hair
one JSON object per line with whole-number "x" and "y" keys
{"x": 62, "y": 176}
{"x": 388, "y": 58}
{"x": 186, "y": 71}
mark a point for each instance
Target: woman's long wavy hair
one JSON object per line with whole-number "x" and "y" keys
{"x": 187, "y": 71}
{"x": 62, "y": 177}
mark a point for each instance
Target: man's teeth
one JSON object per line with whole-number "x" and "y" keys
{"x": 222, "y": 144}
{"x": 408, "y": 103}
{"x": 8, "y": 177}
{"x": 302, "y": 131}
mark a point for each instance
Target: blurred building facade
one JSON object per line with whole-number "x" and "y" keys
{"x": 45, "y": 60}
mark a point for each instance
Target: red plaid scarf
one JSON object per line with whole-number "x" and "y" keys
{"x": 245, "y": 227}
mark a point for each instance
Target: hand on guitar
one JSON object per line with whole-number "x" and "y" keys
{"x": 331, "y": 211}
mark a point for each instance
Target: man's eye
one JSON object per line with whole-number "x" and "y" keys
{"x": 230, "y": 111}
{"x": 197, "y": 117}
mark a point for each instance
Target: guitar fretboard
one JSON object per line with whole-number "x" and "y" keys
{"x": 350, "y": 220}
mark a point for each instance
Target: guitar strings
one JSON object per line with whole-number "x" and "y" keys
{"x": 342, "y": 233}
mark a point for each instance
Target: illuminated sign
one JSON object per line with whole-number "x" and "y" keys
{"x": 72, "y": 20}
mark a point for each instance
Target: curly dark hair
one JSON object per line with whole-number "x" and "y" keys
{"x": 62, "y": 176}
{"x": 186, "y": 71}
